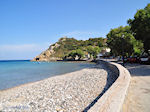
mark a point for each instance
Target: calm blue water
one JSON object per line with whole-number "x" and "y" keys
{"x": 14, "y": 73}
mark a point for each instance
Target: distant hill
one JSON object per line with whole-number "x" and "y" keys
{"x": 64, "y": 46}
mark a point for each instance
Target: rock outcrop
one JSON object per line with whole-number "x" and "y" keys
{"x": 48, "y": 54}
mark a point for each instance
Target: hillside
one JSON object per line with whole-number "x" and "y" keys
{"x": 61, "y": 49}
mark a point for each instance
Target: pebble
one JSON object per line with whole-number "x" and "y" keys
{"x": 71, "y": 92}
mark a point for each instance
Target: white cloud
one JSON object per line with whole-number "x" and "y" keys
{"x": 82, "y": 35}
{"x": 21, "y": 48}
{"x": 22, "y": 51}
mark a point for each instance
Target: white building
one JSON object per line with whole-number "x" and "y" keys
{"x": 104, "y": 52}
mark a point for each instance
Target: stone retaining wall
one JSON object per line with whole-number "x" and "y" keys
{"x": 112, "y": 100}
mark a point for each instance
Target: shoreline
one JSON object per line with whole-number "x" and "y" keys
{"x": 68, "y": 92}
{"x": 66, "y": 61}
{"x": 87, "y": 64}
{"x": 45, "y": 78}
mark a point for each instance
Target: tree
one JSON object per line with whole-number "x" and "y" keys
{"x": 96, "y": 51}
{"x": 75, "y": 53}
{"x": 138, "y": 47}
{"x": 140, "y": 26}
{"x": 93, "y": 51}
{"x": 72, "y": 54}
{"x": 79, "y": 53}
{"x": 121, "y": 41}
{"x": 90, "y": 50}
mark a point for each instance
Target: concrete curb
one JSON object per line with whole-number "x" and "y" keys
{"x": 112, "y": 100}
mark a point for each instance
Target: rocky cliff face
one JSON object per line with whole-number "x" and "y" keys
{"x": 48, "y": 54}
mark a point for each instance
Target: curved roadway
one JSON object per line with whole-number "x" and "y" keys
{"x": 138, "y": 97}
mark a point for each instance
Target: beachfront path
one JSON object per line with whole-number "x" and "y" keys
{"x": 71, "y": 92}
{"x": 138, "y": 98}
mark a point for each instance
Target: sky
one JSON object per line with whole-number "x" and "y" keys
{"x": 27, "y": 27}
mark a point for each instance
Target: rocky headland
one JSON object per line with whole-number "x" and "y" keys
{"x": 61, "y": 50}
{"x": 48, "y": 55}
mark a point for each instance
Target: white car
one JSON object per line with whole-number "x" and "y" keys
{"x": 145, "y": 59}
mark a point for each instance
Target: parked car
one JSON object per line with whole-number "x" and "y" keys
{"x": 133, "y": 59}
{"x": 145, "y": 58}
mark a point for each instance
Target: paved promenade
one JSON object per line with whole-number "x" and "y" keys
{"x": 138, "y": 98}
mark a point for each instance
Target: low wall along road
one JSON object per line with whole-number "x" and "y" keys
{"x": 112, "y": 100}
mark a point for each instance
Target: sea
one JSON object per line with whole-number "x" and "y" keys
{"x": 17, "y": 72}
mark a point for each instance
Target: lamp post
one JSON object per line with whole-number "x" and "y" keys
{"x": 122, "y": 37}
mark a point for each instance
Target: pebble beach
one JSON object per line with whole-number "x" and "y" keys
{"x": 71, "y": 92}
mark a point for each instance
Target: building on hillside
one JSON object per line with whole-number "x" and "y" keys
{"x": 104, "y": 53}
